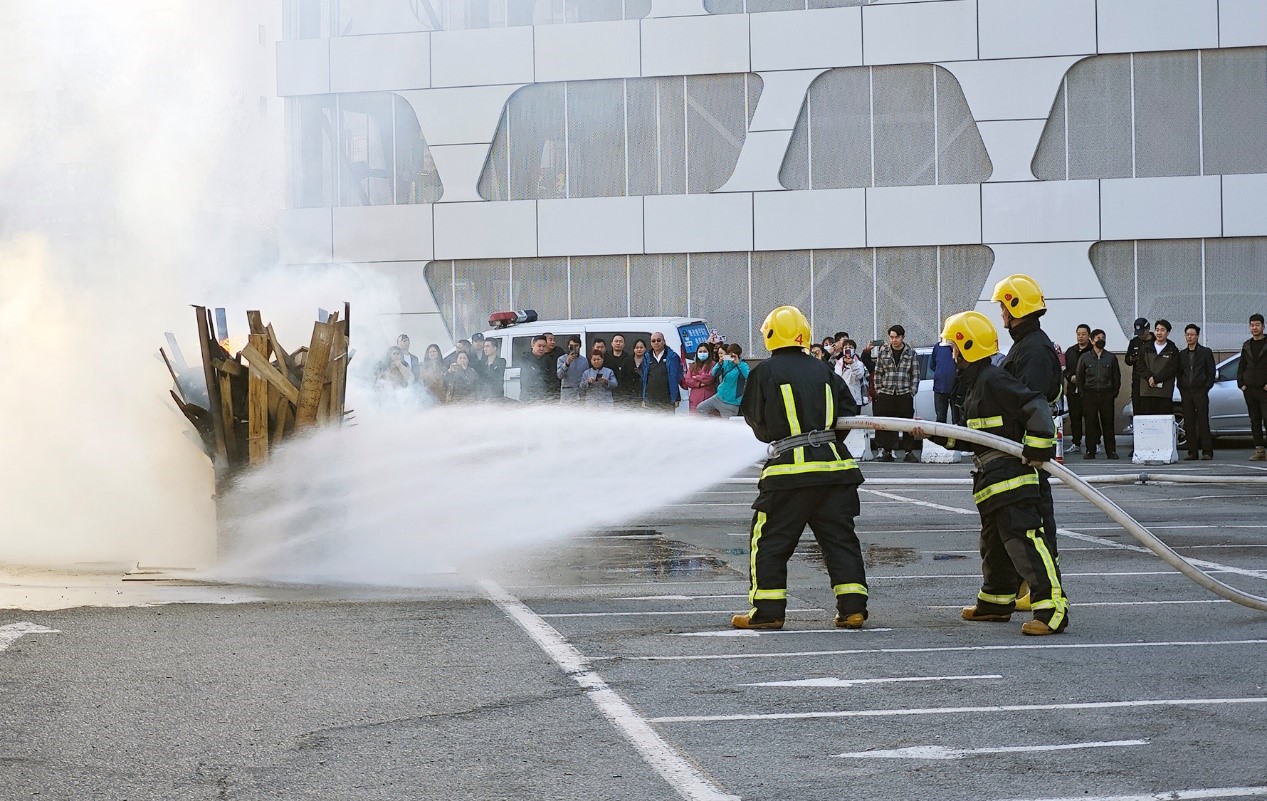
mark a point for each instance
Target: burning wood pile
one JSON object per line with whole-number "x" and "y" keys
{"x": 245, "y": 404}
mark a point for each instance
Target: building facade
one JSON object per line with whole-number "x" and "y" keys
{"x": 871, "y": 162}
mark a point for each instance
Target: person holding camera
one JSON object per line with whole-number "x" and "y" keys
{"x": 849, "y": 367}
{"x": 569, "y": 369}
{"x": 597, "y": 382}
{"x": 731, "y": 373}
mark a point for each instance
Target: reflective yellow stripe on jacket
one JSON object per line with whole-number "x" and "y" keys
{"x": 799, "y": 466}
{"x": 1004, "y": 486}
{"x": 985, "y": 422}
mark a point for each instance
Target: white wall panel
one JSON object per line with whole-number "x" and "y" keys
{"x": 677, "y": 8}
{"x": 303, "y": 67}
{"x": 482, "y": 56}
{"x": 1011, "y": 89}
{"x": 587, "y": 51}
{"x": 1014, "y": 29}
{"x": 716, "y": 43}
{"x": 760, "y": 160}
{"x": 1011, "y": 145}
{"x": 1160, "y": 208}
{"x": 383, "y": 233}
{"x": 788, "y": 40}
{"x": 923, "y": 215}
{"x": 1245, "y": 205}
{"x": 589, "y": 226}
{"x": 1040, "y": 211}
{"x": 1127, "y": 26}
{"x": 388, "y": 61}
{"x": 1065, "y": 268}
{"x": 1242, "y": 23}
{"x": 782, "y": 97}
{"x": 459, "y": 167}
{"x": 698, "y": 223}
{"x": 460, "y": 116}
{"x": 918, "y": 33}
{"x": 824, "y": 218}
{"x": 486, "y": 230}
{"x": 304, "y": 236}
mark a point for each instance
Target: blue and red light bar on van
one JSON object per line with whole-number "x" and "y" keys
{"x": 505, "y": 319}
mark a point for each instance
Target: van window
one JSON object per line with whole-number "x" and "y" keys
{"x": 518, "y": 347}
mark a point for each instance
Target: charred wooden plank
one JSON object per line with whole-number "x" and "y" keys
{"x": 257, "y": 403}
{"x": 284, "y": 361}
{"x": 205, "y": 344}
{"x": 255, "y": 323}
{"x": 314, "y": 378}
{"x": 260, "y": 364}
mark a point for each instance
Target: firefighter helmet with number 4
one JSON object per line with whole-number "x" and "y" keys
{"x": 786, "y": 327}
{"x": 1020, "y": 295}
{"x": 972, "y": 334}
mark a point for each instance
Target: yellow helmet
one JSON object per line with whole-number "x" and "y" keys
{"x": 1020, "y": 294}
{"x": 973, "y": 334}
{"x": 786, "y": 327}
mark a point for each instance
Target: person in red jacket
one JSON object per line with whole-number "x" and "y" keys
{"x": 698, "y": 376}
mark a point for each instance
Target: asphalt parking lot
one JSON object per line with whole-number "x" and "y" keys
{"x": 605, "y": 668}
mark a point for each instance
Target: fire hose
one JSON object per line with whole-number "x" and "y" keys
{"x": 1072, "y": 480}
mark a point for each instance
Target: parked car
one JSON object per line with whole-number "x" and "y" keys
{"x": 1229, "y": 417}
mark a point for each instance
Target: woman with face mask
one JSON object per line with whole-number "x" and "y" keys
{"x": 698, "y": 376}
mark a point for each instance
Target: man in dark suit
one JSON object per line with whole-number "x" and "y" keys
{"x": 1196, "y": 376}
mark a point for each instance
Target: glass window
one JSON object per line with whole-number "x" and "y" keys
{"x": 417, "y": 180}
{"x": 366, "y": 149}
{"x": 313, "y": 138}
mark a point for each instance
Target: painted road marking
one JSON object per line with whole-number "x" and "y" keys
{"x": 1120, "y": 603}
{"x": 1170, "y": 795}
{"x": 957, "y": 710}
{"x": 11, "y": 633}
{"x": 835, "y": 682}
{"x": 977, "y": 576}
{"x": 1079, "y": 536}
{"x": 689, "y": 782}
{"x": 642, "y": 614}
{"x": 771, "y": 632}
{"x": 942, "y": 752}
{"x": 946, "y": 648}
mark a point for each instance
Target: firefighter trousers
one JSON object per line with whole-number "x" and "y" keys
{"x": 1015, "y": 546}
{"x": 780, "y": 519}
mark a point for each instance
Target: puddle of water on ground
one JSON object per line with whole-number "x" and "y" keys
{"x": 620, "y": 554}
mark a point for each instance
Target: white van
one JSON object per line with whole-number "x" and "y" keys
{"x": 682, "y": 334}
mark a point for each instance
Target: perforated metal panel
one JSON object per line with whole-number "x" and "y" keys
{"x": 964, "y": 270}
{"x": 599, "y": 287}
{"x": 1170, "y": 280}
{"x": 778, "y": 279}
{"x": 1050, "y": 161}
{"x": 906, "y": 281}
{"x": 495, "y": 180}
{"x": 593, "y": 10}
{"x": 536, "y": 155}
{"x": 843, "y": 286}
{"x": 1235, "y": 100}
{"x": 794, "y": 174}
{"x": 903, "y": 108}
{"x": 596, "y": 138}
{"x": 482, "y": 286}
{"x": 366, "y": 155}
{"x": 657, "y": 285}
{"x": 1167, "y": 137}
{"x": 1114, "y": 264}
{"x": 1100, "y": 118}
{"x": 314, "y": 134}
{"x": 717, "y": 125}
{"x": 961, "y": 155}
{"x": 417, "y": 180}
{"x": 719, "y": 293}
{"x": 439, "y": 277}
{"x": 1236, "y": 287}
{"x": 839, "y": 125}
{"x": 540, "y": 284}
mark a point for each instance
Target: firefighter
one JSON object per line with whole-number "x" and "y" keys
{"x": 1032, "y": 359}
{"x": 792, "y": 401}
{"x": 1015, "y": 544}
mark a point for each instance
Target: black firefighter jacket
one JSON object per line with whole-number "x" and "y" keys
{"x": 794, "y": 393}
{"x": 1033, "y": 359}
{"x": 997, "y": 403}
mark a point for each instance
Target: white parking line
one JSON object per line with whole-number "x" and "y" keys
{"x": 9, "y": 634}
{"x": 774, "y": 632}
{"x": 837, "y": 682}
{"x": 1169, "y": 795}
{"x": 674, "y": 612}
{"x": 689, "y": 782}
{"x": 676, "y": 597}
{"x": 977, "y": 576}
{"x": 1080, "y": 605}
{"x": 957, "y": 710}
{"x": 942, "y": 752}
{"x": 945, "y": 648}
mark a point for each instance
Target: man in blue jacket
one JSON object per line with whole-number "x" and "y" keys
{"x": 661, "y": 376}
{"x": 943, "y": 364}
